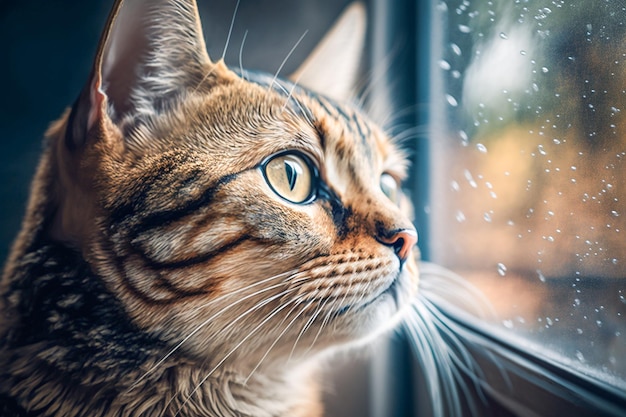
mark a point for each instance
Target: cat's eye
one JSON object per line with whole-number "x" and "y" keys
{"x": 390, "y": 187}
{"x": 291, "y": 176}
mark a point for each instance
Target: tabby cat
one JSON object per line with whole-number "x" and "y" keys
{"x": 197, "y": 239}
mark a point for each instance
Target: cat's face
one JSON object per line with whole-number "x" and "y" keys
{"x": 239, "y": 216}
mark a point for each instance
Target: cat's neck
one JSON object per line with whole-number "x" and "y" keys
{"x": 89, "y": 358}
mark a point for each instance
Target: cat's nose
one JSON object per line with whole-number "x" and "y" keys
{"x": 401, "y": 241}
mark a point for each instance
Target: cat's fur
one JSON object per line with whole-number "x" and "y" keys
{"x": 157, "y": 273}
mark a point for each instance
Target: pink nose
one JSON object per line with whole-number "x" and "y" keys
{"x": 401, "y": 241}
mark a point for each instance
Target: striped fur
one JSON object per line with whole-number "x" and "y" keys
{"x": 158, "y": 274}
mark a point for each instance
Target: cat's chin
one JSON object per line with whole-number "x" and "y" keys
{"x": 381, "y": 314}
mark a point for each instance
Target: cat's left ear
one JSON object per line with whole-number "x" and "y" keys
{"x": 149, "y": 53}
{"x": 333, "y": 68}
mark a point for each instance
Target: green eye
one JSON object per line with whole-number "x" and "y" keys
{"x": 290, "y": 176}
{"x": 389, "y": 186}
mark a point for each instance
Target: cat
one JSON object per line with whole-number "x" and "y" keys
{"x": 198, "y": 239}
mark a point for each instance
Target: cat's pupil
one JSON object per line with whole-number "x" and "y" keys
{"x": 292, "y": 174}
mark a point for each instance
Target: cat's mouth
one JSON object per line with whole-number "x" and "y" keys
{"x": 391, "y": 290}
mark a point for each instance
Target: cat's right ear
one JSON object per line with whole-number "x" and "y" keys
{"x": 150, "y": 51}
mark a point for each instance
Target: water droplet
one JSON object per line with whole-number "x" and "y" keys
{"x": 614, "y": 213}
{"x": 503, "y": 35}
{"x": 501, "y": 269}
{"x": 614, "y": 261}
{"x": 455, "y": 48}
{"x": 580, "y": 356}
{"x": 487, "y": 217}
{"x": 599, "y": 323}
{"x": 445, "y": 65}
{"x": 576, "y": 302}
{"x": 541, "y": 149}
{"x": 469, "y": 178}
{"x": 579, "y": 331}
{"x": 544, "y": 69}
{"x": 507, "y": 323}
{"x": 455, "y": 185}
{"x": 481, "y": 148}
{"x": 542, "y": 278}
{"x": 460, "y": 216}
{"x": 451, "y": 100}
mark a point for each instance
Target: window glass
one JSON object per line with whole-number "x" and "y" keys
{"x": 528, "y": 191}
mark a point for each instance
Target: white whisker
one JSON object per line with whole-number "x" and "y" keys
{"x": 243, "y": 75}
{"x": 230, "y": 30}
{"x": 277, "y": 338}
{"x": 212, "y": 317}
{"x": 233, "y": 350}
{"x": 302, "y": 331}
{"x": 287, "y": 57}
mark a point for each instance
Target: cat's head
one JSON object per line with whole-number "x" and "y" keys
{"x": 238, "y": 213}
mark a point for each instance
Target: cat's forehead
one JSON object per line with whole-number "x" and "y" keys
{"x": 242, "y": 123}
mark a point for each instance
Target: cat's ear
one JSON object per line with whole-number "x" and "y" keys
{"x": 150, "y": 51}
{"x": 334, "y": 65}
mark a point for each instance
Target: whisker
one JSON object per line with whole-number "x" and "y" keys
{"x": 319, "y": 310}
{"x": 302, "y": 331}
{"x": 287, "y": 57}
{"x": 243, "y": 75}
{"x": 441, "y": 345}
{"x": 233, "y": 350}
{"x": 230, "y": 30}
{"x": 211, "y": 318}
{"x": 277, "y": 338}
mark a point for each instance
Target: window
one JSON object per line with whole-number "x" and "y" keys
{"x": 527, "y": 198}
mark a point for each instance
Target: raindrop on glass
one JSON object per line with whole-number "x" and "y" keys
{"x": 451, "y": 100}
{"x": 481, "y": 148}
{"x": 464, "y": 29}
{"x": 542, "y": 278}
{"x": 501, "y": 269}
{"x": 507, "y": 323}
{"x": 503, "y": 35}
